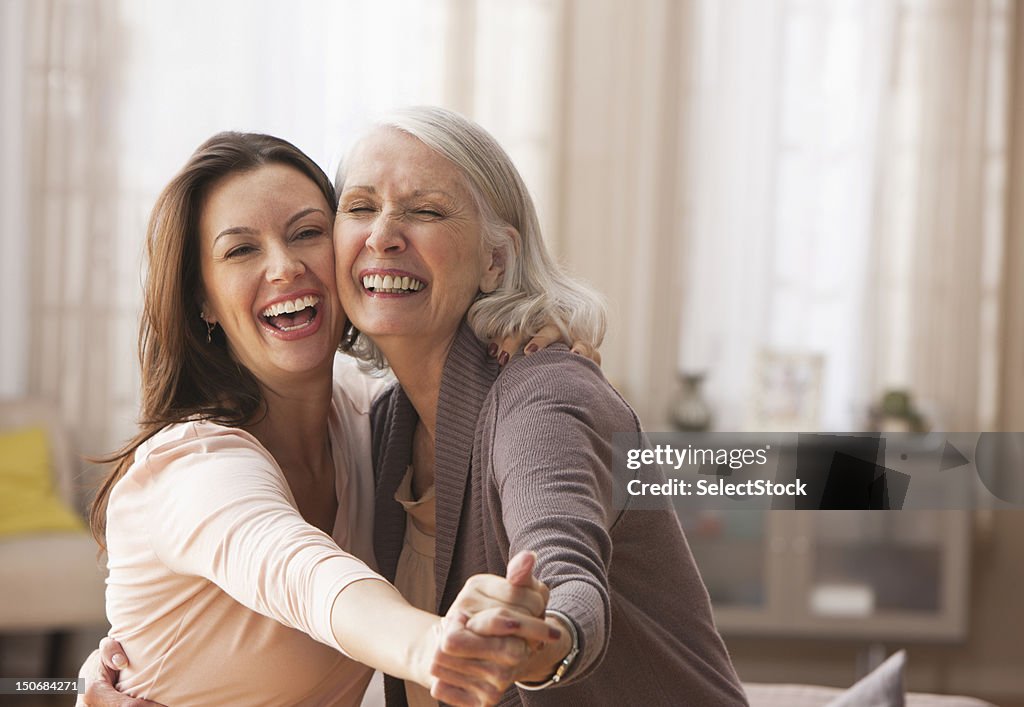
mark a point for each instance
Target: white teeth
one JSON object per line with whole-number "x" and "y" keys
{"x": 291, "y": 306}
{"x": 392, "y": 284}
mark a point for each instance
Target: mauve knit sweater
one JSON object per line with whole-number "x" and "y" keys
{"x": 523, "y": 461}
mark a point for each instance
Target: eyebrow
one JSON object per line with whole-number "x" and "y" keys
{"x": 414, "y": 193}
{"x": 246, "y": 230}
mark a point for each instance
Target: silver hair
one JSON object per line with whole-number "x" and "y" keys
{"x": 534, "y": 289}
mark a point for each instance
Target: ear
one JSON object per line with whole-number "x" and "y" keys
{"x": 497, "y": 259}
{"x": 204, "y": 311}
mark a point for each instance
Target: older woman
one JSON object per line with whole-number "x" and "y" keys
{"x": 234, "y": 520}
{"x": 438, "y": 249}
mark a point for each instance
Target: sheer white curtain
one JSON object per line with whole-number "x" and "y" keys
{"x": 623, "y": 70}
{"x": 14, "y": 62}
{"x": 940, "y": 210}
{"x": 1011, "y": 369}
{"x": 788, "y": 101}
{"x": 59, "y": 233}
{"x": 820, "y": 177}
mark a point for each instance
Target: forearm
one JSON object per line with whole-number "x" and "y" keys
{"x": 552, "y": 472}
{"x": 377, "y": 627}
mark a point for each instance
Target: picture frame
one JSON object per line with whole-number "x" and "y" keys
{"x": 787, "y": 391}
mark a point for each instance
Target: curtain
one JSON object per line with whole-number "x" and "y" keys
{"x": 940, "y": 210}
{"x": 61, "y": 228}
{"x": 14, "y": 62}
{"x": 1011, "y": 369}
{"x": 822, "y": 179}
{"x": 620, "y": 123}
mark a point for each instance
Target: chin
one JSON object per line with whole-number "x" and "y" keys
{"x": 306, "y": 362}
{"x": 380, "y": 324}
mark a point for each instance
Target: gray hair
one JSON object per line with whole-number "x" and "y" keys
{"x": 534, "y": 289}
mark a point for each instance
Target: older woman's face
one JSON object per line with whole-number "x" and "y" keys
{"x": 408, "y": 242}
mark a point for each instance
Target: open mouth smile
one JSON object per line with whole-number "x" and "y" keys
{"x": 292, "y": 316}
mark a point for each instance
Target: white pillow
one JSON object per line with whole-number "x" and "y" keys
{"x": 882, "y": 687}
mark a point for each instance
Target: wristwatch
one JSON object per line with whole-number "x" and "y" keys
{"x": 567, "y": 661}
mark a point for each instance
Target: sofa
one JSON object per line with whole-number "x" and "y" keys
{"x": 883, "y": 687}
{"x": 52, "y": 579}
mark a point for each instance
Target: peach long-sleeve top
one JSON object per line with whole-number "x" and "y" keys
{"x": 218, "y": 590}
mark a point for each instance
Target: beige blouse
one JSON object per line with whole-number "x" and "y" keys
{"x": 219, "y": 590}
{"x": 414, "y": 577}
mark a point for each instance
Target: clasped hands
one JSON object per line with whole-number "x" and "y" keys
{"x": 494, "y": 634}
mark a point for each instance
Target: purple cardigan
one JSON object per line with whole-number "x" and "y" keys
{"x": 523, "y": 462}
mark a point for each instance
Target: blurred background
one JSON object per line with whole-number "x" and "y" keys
{"x": 804, "y": 214}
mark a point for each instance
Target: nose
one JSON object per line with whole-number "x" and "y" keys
{"x": 283, "y": 265}
{"x": 386, "y": 236}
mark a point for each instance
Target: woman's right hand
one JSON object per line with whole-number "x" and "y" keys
{"x": 503, "y": 349}
{"x": 476, "y": 667}
{"x": 101, "y": 671}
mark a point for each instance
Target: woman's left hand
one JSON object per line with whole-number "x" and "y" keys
{"x": 549, "y": 334}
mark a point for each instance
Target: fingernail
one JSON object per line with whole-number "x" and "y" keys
{"x": 530, "y": 348}
{"x": 554, "y": 634}
{"x": 492, "y": 350}
{"x": 513, "y": 624}
{"x": 503, "y": 359}
{"x": 119, "y": 660}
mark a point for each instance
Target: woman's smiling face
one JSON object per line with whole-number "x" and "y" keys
{"x": 408, "y": 240}
{"x": 267, "y": 266}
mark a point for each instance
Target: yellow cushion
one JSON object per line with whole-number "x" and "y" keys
{"x": 28, "y": 502}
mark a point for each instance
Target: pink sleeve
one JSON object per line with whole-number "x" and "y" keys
{"x": 222, "y": 510}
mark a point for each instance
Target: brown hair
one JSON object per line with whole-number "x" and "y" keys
{"x": 183, "y": 376}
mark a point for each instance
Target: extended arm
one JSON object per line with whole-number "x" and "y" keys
{"x": 380, "y": 629}
{"x": 551, "y": 458}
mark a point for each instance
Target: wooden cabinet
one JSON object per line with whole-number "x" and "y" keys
{"x": 878, "y": 575}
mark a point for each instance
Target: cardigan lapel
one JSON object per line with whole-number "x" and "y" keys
{"x": 395, "y": 456}
{"x": 467, "y": 379}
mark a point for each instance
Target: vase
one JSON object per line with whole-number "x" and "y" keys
{"x": 690, "y": 411}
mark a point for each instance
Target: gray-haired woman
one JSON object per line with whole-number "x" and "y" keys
{"x": 438, "y": 250}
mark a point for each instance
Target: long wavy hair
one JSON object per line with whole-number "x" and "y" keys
{"x": 184, "y": 377}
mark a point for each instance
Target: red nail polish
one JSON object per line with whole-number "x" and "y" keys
{"x": 513, "y": 624}
{"x": 503, "y": 358}
{"x": 530, "y": 348}
{"x": 554, "y": 634}
{"x": 492, "y": 350}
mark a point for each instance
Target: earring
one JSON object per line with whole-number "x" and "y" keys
{"x": 209, "y": 326}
